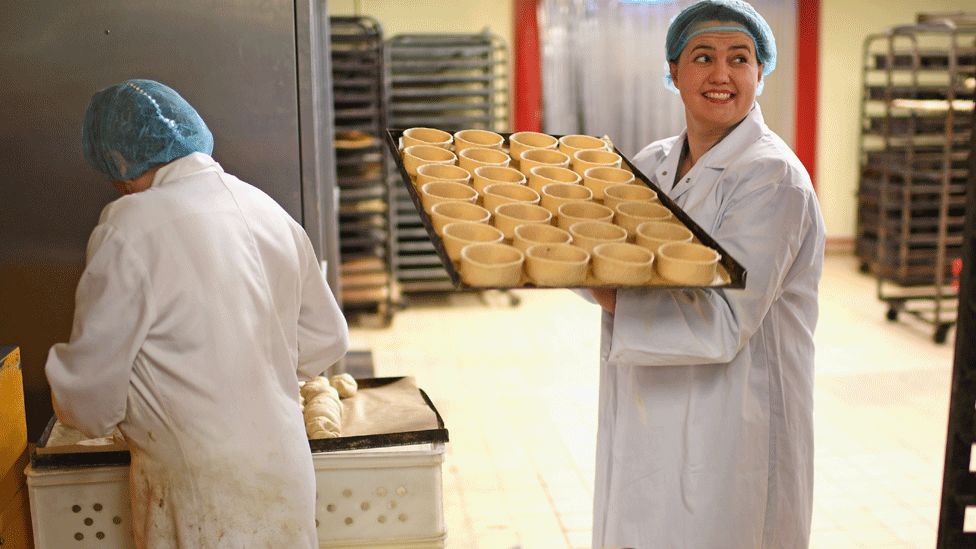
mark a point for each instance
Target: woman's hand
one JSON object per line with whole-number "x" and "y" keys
{"x": 607, "y": 298}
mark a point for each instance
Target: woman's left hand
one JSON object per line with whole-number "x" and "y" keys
{"x": 607, "y": 298}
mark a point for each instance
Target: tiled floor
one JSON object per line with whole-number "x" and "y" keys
{"x": 517, "y": 389}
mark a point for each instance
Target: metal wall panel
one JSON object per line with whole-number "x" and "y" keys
{"x": 235, "y": 61}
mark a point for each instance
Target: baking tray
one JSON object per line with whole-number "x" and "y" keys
{"x": 92, "y": 457}
{"x": 734, "y": 275}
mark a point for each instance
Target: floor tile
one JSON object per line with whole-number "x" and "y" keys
{"x": 517, "y": 387}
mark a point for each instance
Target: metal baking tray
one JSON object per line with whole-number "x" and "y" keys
{"x": 732, "y": 273}
{"x": 921, "y": 159}
{"x": 927, "y": 59}
{"x": 921, "y": 91}
{"x": 932, "y": 124}
{"x": 96, "y": 458}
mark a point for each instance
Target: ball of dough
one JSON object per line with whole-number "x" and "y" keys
{"x": 315, "y": 386}
{"x": 328, "y": 392}
{"x": 344, "y": 384}
{"x": 324, "y": 408}
{"x": 321, "y": 427}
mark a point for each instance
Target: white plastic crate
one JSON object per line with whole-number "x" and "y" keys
{"x": 382, "y": 497}
{"x": 80, "y": 507}
{"x": 379, "y": 498}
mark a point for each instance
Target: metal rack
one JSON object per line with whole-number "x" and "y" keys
{"x": 446, "y": 81}
{"x": 919, "y": 85}
{"x": 958, "y": 480}
{"x": 366, "y": 243}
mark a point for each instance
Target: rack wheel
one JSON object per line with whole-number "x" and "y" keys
{"x": 513, "y": 300}
{"x": 892, "y": 314}
{"x": 864, "y": 268}
{"x": 941, "y": 332}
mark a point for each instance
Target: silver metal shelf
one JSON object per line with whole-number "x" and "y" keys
{"x": 446, "y": 81}
{"x": 916, "y": 134}
{"x": 366, "y": 229}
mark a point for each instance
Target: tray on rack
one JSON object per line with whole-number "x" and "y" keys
{"x": 730, "y": 273}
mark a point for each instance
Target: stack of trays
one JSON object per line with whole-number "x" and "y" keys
{"x": 916, "y": 131}
{"x": 451, "y": 81}
{"x": 364, "y": 197}
{"x": 899, "y": 204}
{"x": 534, "y": 210}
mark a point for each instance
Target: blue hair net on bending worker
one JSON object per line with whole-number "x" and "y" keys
{"x": 138, "y": 124}
{"x": 721, "y": 16}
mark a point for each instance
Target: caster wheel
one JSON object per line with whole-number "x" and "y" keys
{"x": 941, "y": 333}
{"x": 892, "y": 314}
{"x": 864, "y": 268}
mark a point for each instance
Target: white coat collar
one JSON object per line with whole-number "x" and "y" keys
{"x": 718, "y": 157}
{"x": 730, "y": 147}
{"x": 669, "y": 168}
{"x": 191, "y": 164}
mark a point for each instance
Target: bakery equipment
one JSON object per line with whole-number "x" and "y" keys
{"x": 915, "y": 144}
{"x": 379, "y": 484}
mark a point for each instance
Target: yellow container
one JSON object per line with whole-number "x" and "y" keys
{"x": 15, "y": 524}
{"x": 15, "y": 529}
{"x": 13, "y": 425}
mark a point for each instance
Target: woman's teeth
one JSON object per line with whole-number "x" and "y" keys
{"x": 720, "y": 96}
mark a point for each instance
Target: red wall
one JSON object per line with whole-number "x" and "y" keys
{"x": 807, "y": 61}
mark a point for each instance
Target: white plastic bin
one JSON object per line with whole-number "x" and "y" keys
{"x": 80, "y": 507}
{"x": 379, "y": 498}
{"x": 382, "y": 497}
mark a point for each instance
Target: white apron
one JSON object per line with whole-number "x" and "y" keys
{"x": 201, "y": 305}
{"x": 705, "y": 436}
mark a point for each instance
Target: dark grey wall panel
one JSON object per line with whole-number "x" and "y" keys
{"x": 235, "y": 61}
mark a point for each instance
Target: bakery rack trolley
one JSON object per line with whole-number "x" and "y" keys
{"x": 919, "y": 82}
{"x": 446, "y": 81}
{"x": 366, "y": 239}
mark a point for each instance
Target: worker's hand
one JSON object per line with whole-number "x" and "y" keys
{"x": 57, "y": 409}
{"x": 607, "y": 298}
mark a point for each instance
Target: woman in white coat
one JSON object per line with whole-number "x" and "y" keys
{"x": 705, "y": 436}
{"x": 200, "y": 307}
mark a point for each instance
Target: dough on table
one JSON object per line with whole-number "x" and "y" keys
{"x": 324, "y": 407}
{"x": 322, "y": 410}
{"x": 315, "y": 386}
{"x": 321, "y": 427}
{"x": 344, "y": 384}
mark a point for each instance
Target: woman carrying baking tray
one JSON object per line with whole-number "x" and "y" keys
{"x": 705, "y": 435}
{"x": 201, "y": 305}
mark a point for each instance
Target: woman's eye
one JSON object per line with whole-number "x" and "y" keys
{"x": 740, "y": 59}
{"x": 701, "y": 59}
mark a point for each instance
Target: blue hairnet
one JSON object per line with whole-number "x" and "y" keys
{"x": 133, "y": 126}
{"x": 737, "y": 15}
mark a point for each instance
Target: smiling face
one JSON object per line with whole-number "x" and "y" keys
{"x": 717, "y": 74}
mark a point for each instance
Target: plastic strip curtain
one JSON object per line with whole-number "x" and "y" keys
{"x": 603, "y": 68}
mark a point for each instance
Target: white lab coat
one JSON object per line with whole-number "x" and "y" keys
{"x": 201, "y": 305}
{"x": 705, "y": 436}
